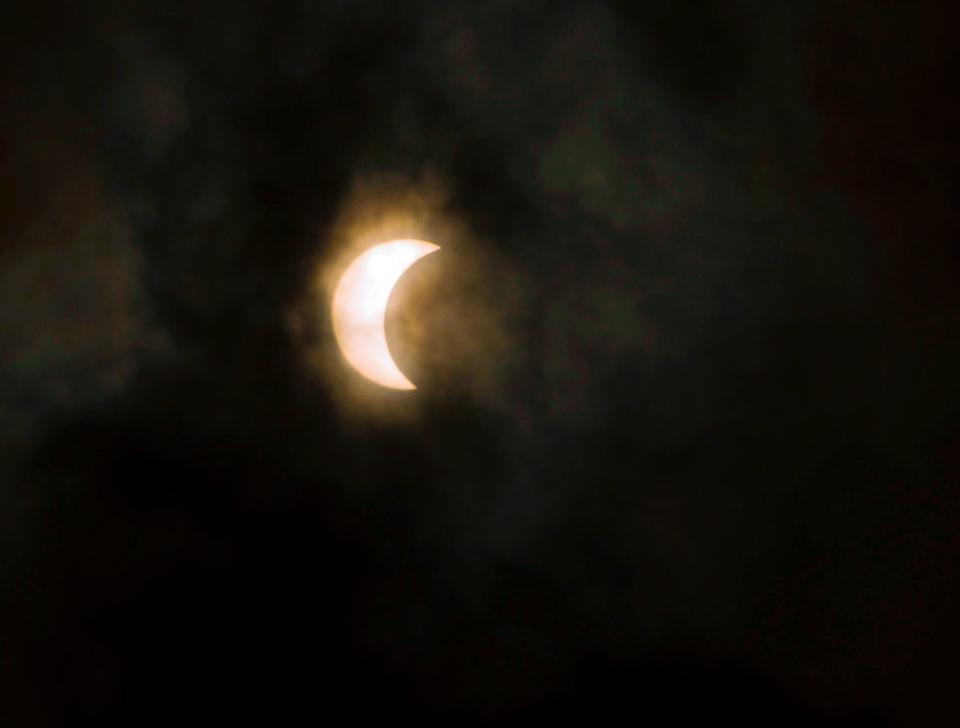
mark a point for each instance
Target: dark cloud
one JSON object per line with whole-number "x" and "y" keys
{"x": 684, "y": 442}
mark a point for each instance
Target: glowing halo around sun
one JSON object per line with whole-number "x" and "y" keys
{"x": 360, "y": 306}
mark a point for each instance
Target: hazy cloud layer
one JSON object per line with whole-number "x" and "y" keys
{"x": 686, "y": 363}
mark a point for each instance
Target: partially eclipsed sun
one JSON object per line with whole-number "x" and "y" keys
{"x": 360, "y": 306}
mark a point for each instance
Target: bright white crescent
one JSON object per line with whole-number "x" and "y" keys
{"x": 360, "y": 306}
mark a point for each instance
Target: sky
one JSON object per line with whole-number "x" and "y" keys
{"x": 686, "y": 438}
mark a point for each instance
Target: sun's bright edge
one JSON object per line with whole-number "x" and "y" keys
{"x": 360, "y": 305}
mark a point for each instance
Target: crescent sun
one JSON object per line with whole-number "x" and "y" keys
{"x": 360, "y": 306}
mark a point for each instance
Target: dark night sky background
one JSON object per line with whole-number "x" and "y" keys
{"x": 687, "y": 439}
